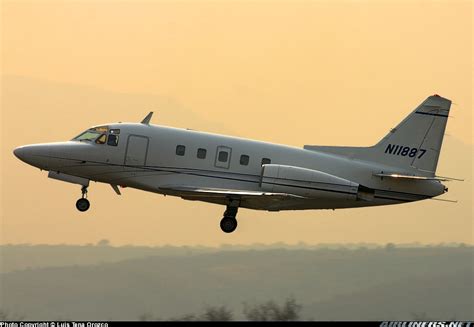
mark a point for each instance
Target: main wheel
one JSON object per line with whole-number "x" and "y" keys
{"x": 82, "y": 204}
{"x": 228, "y": 224}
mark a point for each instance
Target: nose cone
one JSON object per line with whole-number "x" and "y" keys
{"x": 23, "y": 153}
{"x": 36, "y": 155}
{"x": 19, "y": 152}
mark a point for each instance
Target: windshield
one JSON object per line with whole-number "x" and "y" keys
{"x": 96, "y": 134}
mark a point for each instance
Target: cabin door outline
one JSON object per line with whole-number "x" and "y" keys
{"x": 136, "y": 152}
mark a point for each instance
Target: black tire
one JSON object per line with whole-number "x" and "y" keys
{"x": 228, "y": 224}
{"x": 83, "y": 205}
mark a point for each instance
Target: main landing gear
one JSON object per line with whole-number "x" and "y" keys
{"x": 229, "y": 223}
{"x": 83, "y": 204}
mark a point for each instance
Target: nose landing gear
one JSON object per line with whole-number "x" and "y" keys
{"x": 83, "y": 204}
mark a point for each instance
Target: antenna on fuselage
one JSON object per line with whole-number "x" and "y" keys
{"x": 147, "y": 119}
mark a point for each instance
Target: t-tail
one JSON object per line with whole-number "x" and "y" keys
{"x": 413, "y": 147}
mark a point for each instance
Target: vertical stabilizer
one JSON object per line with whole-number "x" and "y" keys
{"x": 416, "y": 141}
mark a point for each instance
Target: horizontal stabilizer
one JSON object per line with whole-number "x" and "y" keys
{"x": 435, "y": 178}
{"x": 445, "y": 200}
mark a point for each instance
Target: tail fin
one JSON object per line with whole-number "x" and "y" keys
{"x": 414, "y": 145}
{"x": 416, "y": 141}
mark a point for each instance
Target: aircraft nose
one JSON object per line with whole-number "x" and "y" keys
{"x": 22, "y": 152}
{"x": 35, "y": 155}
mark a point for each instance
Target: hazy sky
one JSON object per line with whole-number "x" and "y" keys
{"x": 311, "y": 72}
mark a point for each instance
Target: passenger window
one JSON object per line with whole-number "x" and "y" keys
{"x": 113, "y": 140}
{"x": 266, "y": 161}
{"x": 101, "y": 139}
{"x": 223, "y": 156}
{"x": 180, "y": 149}
{"x": 244, "y": 160}
{"x": 201, "y": 154}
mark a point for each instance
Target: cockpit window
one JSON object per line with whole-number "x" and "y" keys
{"x": 113, "y": 137}
{"x": 113, "y": 140}
{"x": 89, "y": 136}
{"x": 100, "y": 135}
{"x": 96, "y": 134}
{"x": 101, "y": 129}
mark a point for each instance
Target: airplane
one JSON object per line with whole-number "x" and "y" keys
{"x": 242, "y": 173}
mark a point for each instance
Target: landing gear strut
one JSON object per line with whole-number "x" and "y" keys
{"x": 83, "y": 204}
{"x": 229, "y": 223}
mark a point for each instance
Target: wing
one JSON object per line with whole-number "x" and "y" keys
{"x": 248, "y": 199}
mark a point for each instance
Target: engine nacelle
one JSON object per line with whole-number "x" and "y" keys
{"x": 306, "y": 182}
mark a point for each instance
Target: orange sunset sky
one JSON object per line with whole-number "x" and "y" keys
{"x": 292, "y": 72}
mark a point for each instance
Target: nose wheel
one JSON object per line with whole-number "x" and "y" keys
{"x": 83, "y": 204}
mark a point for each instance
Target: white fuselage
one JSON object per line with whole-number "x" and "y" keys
{"x": 147, "y": 158}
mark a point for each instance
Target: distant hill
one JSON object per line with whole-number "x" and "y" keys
{"x": 20, "y": 257}
{"x": 331, "y": 284}
{"x": 27, "y": 256}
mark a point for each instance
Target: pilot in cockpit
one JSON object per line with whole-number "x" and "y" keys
{"x": 99, "y": 135}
